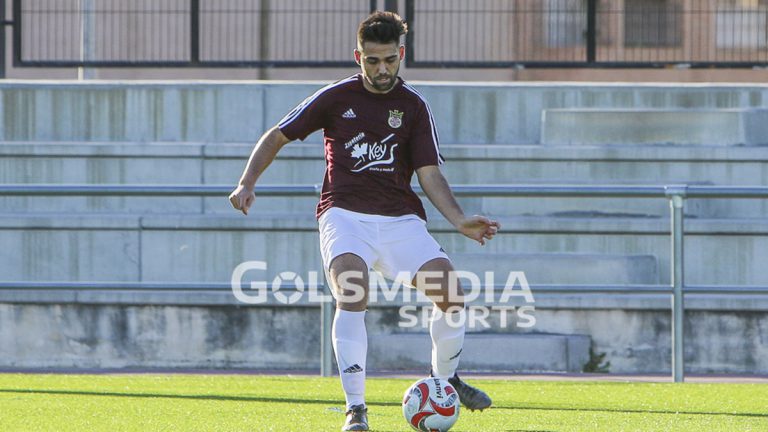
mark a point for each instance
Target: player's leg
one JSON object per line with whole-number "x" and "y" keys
{"x": 447, "y": 327}
{"x": 346, "y": 257}
{"x": 410, "y": 248}
{"x": 447, "y": 323}
{"x": 348, "y": 276}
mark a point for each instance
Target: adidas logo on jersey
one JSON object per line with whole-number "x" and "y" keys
{"x": 355, "y": 368}
{"x": 349, "y": 114}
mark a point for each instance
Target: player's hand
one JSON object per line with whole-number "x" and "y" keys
{"x": 479, "y": 228}
{"x": 241, "y": 198}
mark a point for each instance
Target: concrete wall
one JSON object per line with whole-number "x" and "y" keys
{"x": 145, "y": 336}
{"x": 67, "y": 335}
{"x": 240, "y": 112}
{"x": 693, "y": 127}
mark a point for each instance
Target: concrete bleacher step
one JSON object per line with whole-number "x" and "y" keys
{"x": 228, "y": 111}
{"x": 512, "y": 352}
{"x": 563, "y": 268}
{"x": 633, "y": 126}
{"x": 196, "y": 163}
{"x": 207, "y": 248}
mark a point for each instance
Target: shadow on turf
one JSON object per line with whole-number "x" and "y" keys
{"x": 627, "y": 411}
{"x": 341, "y": 402}
{"x": 183, "y": 396}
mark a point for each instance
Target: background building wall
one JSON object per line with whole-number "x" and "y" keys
{"x": 678, "y": 31}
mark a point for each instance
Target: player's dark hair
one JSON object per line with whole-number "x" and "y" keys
{"x": 381, "y": 27}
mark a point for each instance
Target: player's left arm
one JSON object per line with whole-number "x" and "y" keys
{"x": 434, "y": 184}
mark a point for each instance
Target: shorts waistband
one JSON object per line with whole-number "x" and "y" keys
{"x": 365, "y": 217}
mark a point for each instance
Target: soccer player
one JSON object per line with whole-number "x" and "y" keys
{"x": 378, "y": 131}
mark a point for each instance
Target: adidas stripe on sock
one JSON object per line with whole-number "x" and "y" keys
{"x": 350, "y": 343}
{"x": 447, "y": 341}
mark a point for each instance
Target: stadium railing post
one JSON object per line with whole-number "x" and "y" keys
{"x": 676, "y": 195}
{"x": 326, "y": 321}
{"x": 326, "y": 353}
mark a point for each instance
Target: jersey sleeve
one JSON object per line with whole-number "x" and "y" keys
{"x": 307, "y": 117}
{"x": 425, "y": 146}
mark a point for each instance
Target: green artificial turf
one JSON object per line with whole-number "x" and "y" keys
{"x": 51, "y": 402}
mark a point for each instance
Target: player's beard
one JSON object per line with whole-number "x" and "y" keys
{"x": 385, "y": 86}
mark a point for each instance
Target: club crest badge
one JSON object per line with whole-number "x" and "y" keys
{"x": 395, "y": 118}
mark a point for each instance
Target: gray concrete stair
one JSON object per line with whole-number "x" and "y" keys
{"x": 206, "y": 248}
{"x": 238, "y": 111}
{"x": 511, "y": 352}
{"x": 564, "y": 268}
{"x": 633, "y": 126}
{"x": 197, "y": 163}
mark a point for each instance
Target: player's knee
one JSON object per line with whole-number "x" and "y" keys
{"x": 446, "y": 295}
{"x": 352, "y": 298}
{"x": 352, "y": 307}
{"x": 349, "y": 280}
{"x": 451, "y": 298}
{"x": 450, "y": 306}
{"x": 454, "y": 296}
{"x": 348, "y": 262}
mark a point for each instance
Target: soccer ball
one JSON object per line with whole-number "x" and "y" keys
{"x": 431, "y": 405}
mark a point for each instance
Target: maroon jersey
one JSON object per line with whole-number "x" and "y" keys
{"x": 373, "y": 144}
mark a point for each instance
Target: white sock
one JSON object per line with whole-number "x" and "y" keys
{"x": 447, "y": 331}
{"x": 350, "y": 343}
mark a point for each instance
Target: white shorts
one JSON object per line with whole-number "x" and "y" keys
{"x": 387, "y": 244}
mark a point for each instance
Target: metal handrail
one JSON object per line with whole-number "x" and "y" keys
{"x": 227, "y": 287}
{"x": 150, "y": 190}
{"x": 485, "y": 190}
{"x": 718, "y": 289}
{"x": 676, "y": 194}
{"x": 115, "y": 286}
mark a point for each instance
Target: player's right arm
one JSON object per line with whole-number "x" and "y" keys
{"x": 305, "y": 118}
{"x": 262, "y": 155}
